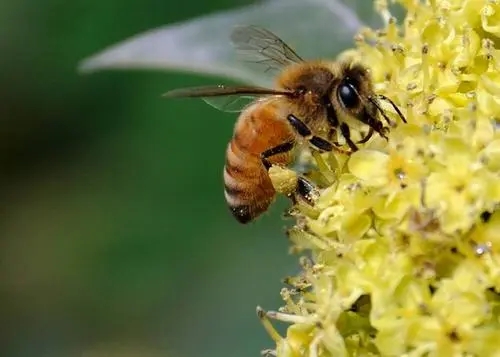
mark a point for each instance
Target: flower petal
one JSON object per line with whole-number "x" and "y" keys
{"x": 369, "y": 166}
{"x": 316, "y": 28}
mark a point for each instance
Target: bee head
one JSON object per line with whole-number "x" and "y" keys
{"x": 352, "y": 89}
{"x": 344, "y": 85}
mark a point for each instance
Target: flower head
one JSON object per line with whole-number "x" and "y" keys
{"x": 403, "y": 236}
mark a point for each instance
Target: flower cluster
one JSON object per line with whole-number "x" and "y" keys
{"x": 404, "y": 239}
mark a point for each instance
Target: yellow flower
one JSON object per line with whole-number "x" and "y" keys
{"x": 405, "y": 234}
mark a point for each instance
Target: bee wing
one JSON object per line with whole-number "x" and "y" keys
{"x": 227, "y": 99}
{"x": 231, "y": 103}
{"x": 260, "y": 47}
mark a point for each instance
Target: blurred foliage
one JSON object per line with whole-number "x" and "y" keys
{"x": 115, "y": 237}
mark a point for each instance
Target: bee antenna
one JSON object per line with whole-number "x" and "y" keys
{"x": 381, "y": 110}
{"x": 387, "y": 99}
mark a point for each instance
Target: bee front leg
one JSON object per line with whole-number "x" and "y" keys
{"x": 367, "y": 136}
{"x": 346, "y": 133}
{"x": 369, "y": 118}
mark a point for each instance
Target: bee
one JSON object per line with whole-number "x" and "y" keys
{"x": 312, "y": 101}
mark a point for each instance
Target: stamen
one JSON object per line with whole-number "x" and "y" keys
{"x": 280, "y": 316}
{"x": 267, "y": 325}
{"x": 314, "y": 346}
{"x": 268, "y": 353}
{"x": 323, "y": 167}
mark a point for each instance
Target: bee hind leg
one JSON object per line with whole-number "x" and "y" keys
{"x": 302, "y": 187}
{"x": 306, "y": 190}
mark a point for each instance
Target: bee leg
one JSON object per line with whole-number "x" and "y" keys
{"x": 278, "y": 149}
{"x": 331, "y": 133}
{"x": 346, "y": 133}
{"x": 318, "y": 143}
{"x": 367, "y": 137}
{"x": 306, "y": 190}
{"x": 376, "y": 125}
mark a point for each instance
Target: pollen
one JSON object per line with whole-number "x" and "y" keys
{"x": 403, "y": 238}
{"x": 284, "y": 180}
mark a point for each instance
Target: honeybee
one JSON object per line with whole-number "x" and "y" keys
{"x": 312, "y": 101}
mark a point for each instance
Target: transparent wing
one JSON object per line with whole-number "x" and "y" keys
{"x": 317, "y": 28}
{"x": 258, "y": 46}
{"x": 231, "y": 103}
{"x": 227, "y": 99}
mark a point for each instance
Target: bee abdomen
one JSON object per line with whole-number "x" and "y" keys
{"x": 247, "y": 187}
{"x": 242, "y": 213}
{"x": 246, "y": 210}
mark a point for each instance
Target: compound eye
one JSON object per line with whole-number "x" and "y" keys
{"x": 348, "y": 95}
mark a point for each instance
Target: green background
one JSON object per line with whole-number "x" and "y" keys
{"x": 115, "y": 236}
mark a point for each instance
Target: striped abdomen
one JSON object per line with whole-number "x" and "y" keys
{"x": 248, "y": 188}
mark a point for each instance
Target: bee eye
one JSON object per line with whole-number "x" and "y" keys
{"x": 348, "y": 95}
